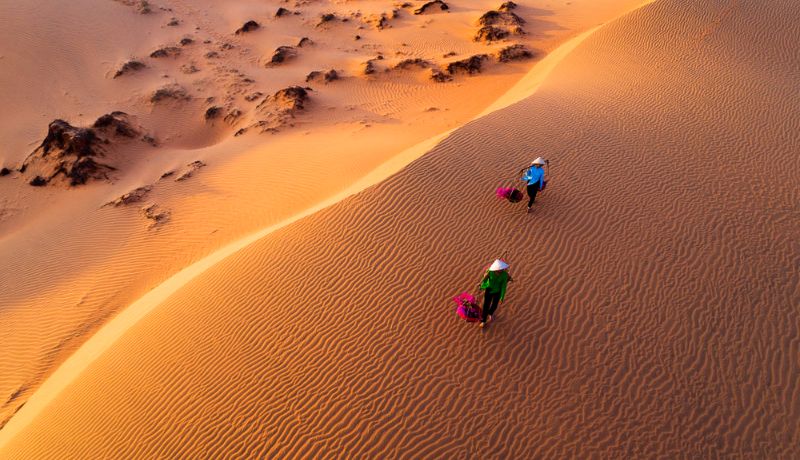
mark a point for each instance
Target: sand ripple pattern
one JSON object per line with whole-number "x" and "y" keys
{"x": 655, "y": 312}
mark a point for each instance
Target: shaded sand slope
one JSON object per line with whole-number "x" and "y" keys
{"x": 655, "y": 310}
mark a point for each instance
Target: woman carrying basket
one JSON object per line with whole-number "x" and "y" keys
{"x": 494, "y": 282}
{"x": 535, "y": 178}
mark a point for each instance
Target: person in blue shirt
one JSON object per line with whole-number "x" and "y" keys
{"x": 535, "y": 178}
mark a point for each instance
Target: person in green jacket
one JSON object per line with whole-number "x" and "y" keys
{"x": 494, "y": 283}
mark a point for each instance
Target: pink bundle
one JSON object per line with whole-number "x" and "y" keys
{"x": 468, "y": 308}
{"x": 509, "y": 193}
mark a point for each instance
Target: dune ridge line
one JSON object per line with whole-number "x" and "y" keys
{"x": 109, "y": 333}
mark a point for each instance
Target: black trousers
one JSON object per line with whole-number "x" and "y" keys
{"x": 532, "y": 190}
{"x": 490, "y": 302}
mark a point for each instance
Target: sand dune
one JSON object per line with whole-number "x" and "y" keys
{"x": 654, "y": 311}
{"x": 70, "y": 262}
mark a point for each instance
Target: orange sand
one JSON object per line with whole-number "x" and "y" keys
{"x": 654, "y": 312}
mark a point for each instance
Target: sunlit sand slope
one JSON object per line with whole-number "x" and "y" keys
{"x": 654, "y": 312}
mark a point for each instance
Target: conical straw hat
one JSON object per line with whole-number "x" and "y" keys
{"x": 538, "y": 161}
{"x": 498, "y": 265}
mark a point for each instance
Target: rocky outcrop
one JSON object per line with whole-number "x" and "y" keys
{"x": 282, "y": 12}
{"x": 248, "y": 26}
{"x": 283, "y": 54}
{"x": 280, "y": 108}
{"x": 189, "y": 171}
{"x": 167, "y": 51}
{"x": 434, "y": 6}
{"x": 4, "y": 171}
{"x": 134, "y": 196}
{"x": 326, "y": 18}
{"x": 305, "y": 41}
{"x": 70, "y": 152}
{"x": 378, "y": 21}
{"x": 321, "y": 76}
{"x": 292, "y": 98}
{"x": 470, "y": 65}
{"x": 116, "y": 124}
{"x": 155, "y": 215}
{"x": 514, "y": 53}
{"x": 213, "y": 112}
{"x": 129, "y": 67}
{"x": 186, "y": 41}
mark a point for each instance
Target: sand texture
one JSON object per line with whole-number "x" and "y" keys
{"x": 655, "y": 311}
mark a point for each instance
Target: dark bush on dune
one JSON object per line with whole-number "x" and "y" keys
{"x": 490, "y": 34}
{"x": 129, "y": 67}
{"x": 514, "y": 53}
{"x": 470, "y": 65}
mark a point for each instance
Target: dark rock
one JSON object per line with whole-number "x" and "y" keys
{"x": 292, "y": 98}
{"x": 186, "y": 41}
{"x": 470, "y": 65}
{"x": 129, "y": 67}
{"x": 514, "y": 53}
{"x": 248, "y": 26}
{"x": 174, "y": 92}
{"x": 305, "y": 41}
{"x": 212, "y": 55}
{"x": 116, "y": 124}
{"x": 412, "y": 63}
{"x": 369, "y": 67}
{"x": 134, "y": 196}
{"x": 153, "y": 213}
{"x": 167, "y": 174}
{"x": 432, "y": 6}
{"x": 379, "y": 22}
{"x": 358, "y": 37}
{"x": 167, "y": 51}
{"x": 439, "y": 76}
{"x": 507, "y": 6}
{"x": 490, "y": 33}
{"x": 325, "y": 77}
{"x": 227, "y": 46}
{"x": 283, "y": 54}
{"x": 280, "y": 108}
{"x": 282, "y": 12}
{"x": 326, "y": 18}
{"x": 4, "y": 172}
{"x": 68, "y": 151}
{"x": 213, "y": 112}
{"x": 173, "y": 22}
